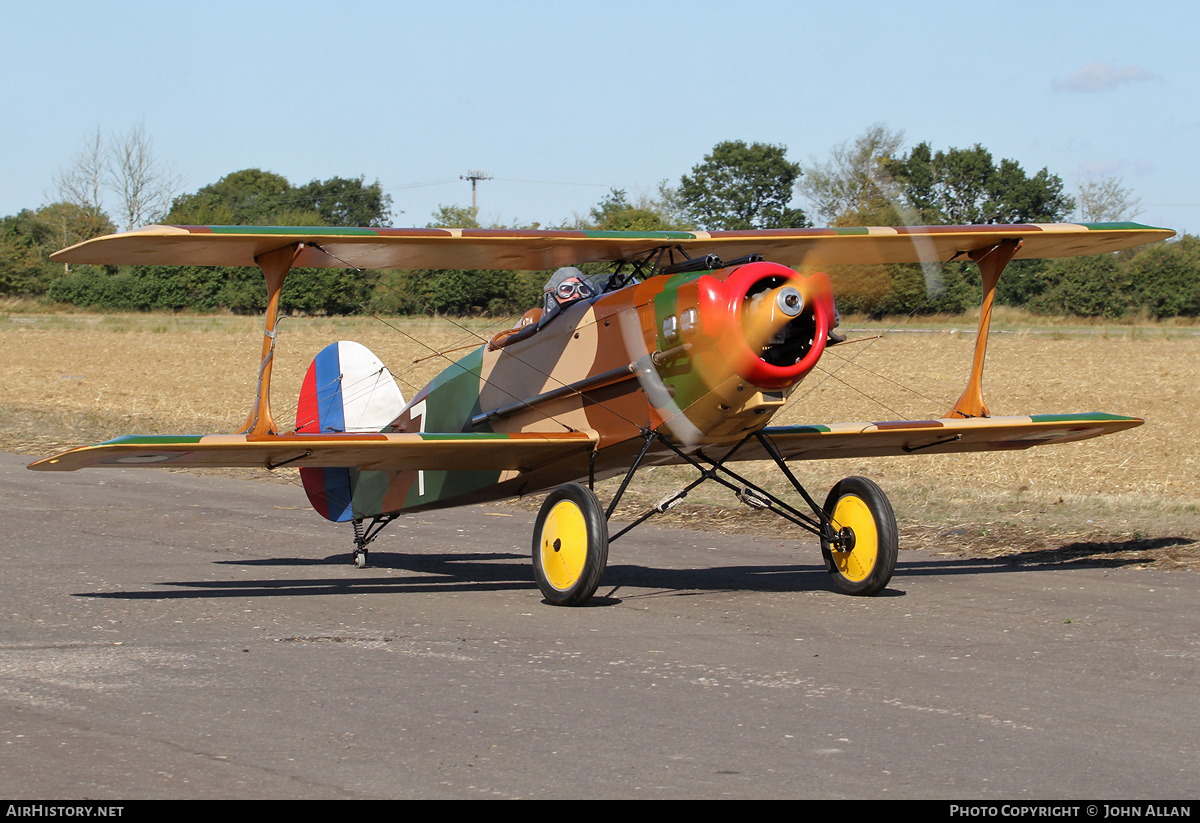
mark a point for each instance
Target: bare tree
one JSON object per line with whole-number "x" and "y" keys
{"x": 853, "y": 186}
{"x": 82, "y": 183}
{"x": 127, "y": 168}
{"x": 1107, "y": 201}
{"x": 143, "y": 184}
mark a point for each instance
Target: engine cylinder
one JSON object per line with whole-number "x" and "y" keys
{"x": 778, "y": 322}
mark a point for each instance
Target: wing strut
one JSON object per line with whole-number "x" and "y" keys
{"x": 275, "y": 266}
{"x": 991, "y": 262}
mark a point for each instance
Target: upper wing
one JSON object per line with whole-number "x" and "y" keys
{"x": 948, "y": 435}
{"x": 394, "y": 452}
{"x": 538, "y": 250}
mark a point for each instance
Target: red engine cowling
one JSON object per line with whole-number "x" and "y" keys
{"x": 769, "y": 322}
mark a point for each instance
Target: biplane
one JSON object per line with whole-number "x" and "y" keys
{"x": 680, "y": 353}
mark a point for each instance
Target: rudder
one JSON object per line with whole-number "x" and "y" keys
{"x": 346, "y": 389}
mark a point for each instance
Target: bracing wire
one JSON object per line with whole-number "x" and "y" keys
{"x": 471, "y": 333}
{"x": 849, "y": 361}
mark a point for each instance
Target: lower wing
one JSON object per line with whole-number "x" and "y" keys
{"x": 944, "y": 436}
{"x": 525, "y": 452}
{"x": 369, "y": 452}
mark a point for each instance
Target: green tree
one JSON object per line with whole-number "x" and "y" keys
{"x": 65, "y": 224}
{"x": 740, "y": 186}
{"x": 342, "y": 201}
{"x": 1083, "y": 286}
{"x": 29, "y": 238}
{"x": 455, "y": 217}
{"x": 457, "y": 291}
{"x": 23, "y": 255}
{"x": 854, "y": 188}
{"x": 616, "y": 213}
{"x": 251, "y": 197}
{"x": 965, "y": 186}
{"x": 1164, "y": 279}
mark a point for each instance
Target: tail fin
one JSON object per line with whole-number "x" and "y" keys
{"x": 346, "y": 389}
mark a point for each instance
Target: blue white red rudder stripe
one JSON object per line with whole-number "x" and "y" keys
{"x": 346, "y": 389}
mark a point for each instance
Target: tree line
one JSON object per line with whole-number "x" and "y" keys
{"x": 871, "y": 180}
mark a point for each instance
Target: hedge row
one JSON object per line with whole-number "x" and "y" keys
{"x": 1160, "y": 281}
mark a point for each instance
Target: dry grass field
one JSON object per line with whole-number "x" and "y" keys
{"x": 1132, "y": 498}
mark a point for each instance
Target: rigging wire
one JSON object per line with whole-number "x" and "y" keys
{"x": 848, "y": 361}
{"x": 469, "y": 333}
{"x": 873, "y": 373}
{"x": 475, "y": 338}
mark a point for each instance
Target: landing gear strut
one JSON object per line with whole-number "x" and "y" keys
{"x": 856, "y": 526}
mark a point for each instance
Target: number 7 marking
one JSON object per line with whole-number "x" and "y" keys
{"x": 418, "y": 411}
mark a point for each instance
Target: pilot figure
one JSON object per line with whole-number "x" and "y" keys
{"x": 564, "y": 287}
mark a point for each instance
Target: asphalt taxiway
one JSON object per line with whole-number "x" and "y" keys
{"x": 166, "y": 635}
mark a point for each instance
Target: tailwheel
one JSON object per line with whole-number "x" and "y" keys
{"x": 862, "y": 556}
{"x": 570, "y": 545}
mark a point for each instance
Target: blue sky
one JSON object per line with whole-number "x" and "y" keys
{"x": 561, "y": 101}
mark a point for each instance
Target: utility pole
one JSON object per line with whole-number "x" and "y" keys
{"x": 475, "y": 176}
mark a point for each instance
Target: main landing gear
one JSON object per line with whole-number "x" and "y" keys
{"x": 856, "y": 526}
{"x": 570, "y": 545}
{"x": 861, "y": 553}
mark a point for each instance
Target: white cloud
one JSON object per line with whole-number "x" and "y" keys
{"x": 1102, "y": 77}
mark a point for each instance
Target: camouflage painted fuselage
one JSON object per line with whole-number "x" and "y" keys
{"x": 710, "y": 355}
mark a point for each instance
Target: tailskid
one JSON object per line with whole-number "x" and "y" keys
{"x": 365, "y": 535}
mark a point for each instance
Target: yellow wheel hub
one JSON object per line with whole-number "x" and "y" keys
{"x": 852, "y": 513}
{"x": 564, "y": 545}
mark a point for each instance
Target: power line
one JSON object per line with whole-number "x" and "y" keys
{"x": 422, "y": 185}
{"x": 553, "y": 183}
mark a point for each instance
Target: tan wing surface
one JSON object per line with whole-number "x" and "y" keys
{"x": 538, "y": 250}
{"x": 392, "y": 452}
{"x": 944, "y": 436}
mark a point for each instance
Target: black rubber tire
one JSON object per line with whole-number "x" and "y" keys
{"x": 864, "y": 509}
{"x": 570, "y": 545}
